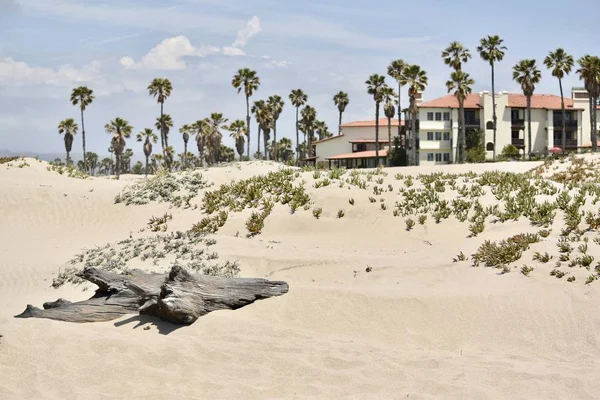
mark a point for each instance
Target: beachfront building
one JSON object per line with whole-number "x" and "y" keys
{"x": 438, "y": 129}
{"x": 356, "y": 146}
{"x": 439, "y": 124}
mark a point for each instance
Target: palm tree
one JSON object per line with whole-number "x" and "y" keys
{"x": 322, "y": 130}
{"x": 202, "y": 132}
{"x": 121, "y": 130}
{"x": 217, "y": 123}
{"x": 249, "y": 81}
{"x": 341, "y": 101}
{"x": 238, "y": 132}
{"x": 169, "y": 157}
{"x": 69, "y": 128}
{"x": 375, "y": 85}
{"x": 92, "y": 162}
{"x": 298, "y": 98}
{"x": 416, "y": 79}
{"x": 284, "y": 147}
{"x": 148, "y": 137}
{"x": 561, "y": 64}
{"x": 454, "y": 56}
{"x": 491, "y": 49}
{"x": 126, "y": 160}
{"x": 163, "y": 124}
{"x": 185, "y": 131}
{"x": 83, "y": 97}
{"x": 527, "y": 75}
{"x": 589, "y": 72}
{"x": 461, "y": 83}
{"x": 389, "y": 96}
{"x": 309, "y": 117}
{"x": 257, "y": 109}
{"x": 161, "y": 88}
{"x": 397, "y": 71}
{"x": 106, "y": 165}
{"x": 276, "y": 106}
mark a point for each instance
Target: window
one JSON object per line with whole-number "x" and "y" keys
{"x": 447, "y": 136}
{"x": 446, "y": 116}
{"x": 438, "y": 157}
{"x": 429, "y": 135}
{"x": 446, "y": 157}
{"x": 438, "y": 116}
{"x": 361, "y": 147}
{"x": 429, "y": 116}
{"x": 489, "y": 146}
{"x": 514, "y": 115}
{"x": 429, "y": 156}
{"x": 438, "y": 136}
{"x": 489, "y": 125}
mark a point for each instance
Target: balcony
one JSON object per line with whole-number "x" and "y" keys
{"x": 472, "y": 122}
{"x": 518, "y": 142}
{"x": 571, "y": 143}
{"x": 517, "y": 122}
{"x": 568, "y": 124}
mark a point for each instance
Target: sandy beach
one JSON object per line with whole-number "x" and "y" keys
{"x": 417, "y": 325}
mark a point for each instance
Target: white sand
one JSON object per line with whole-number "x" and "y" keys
{"x": 418, "y": 326}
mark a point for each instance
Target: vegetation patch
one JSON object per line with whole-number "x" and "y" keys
{"x": 183, "y": 248}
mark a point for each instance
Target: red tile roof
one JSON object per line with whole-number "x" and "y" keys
{"x": 327, "y": 139}
{"x": 382, "y": 122}
{"x": 450, "y": 101}
{"x": 381, "y": 140}
{"x": 360, "y": 154}
{"x": 539, "y": 101}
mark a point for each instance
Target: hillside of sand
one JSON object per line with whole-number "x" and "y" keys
{"x": 374, "y": 311}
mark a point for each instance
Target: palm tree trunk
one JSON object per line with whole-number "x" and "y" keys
{"x": 389, "y": 151}
{"x": 461, "y": 132}
{"x": 184, "y": 155}
{"x": 265, "y": 145}
{"x": 68, "y": 159}
{"x": 594, "y": 114}
{"x": 297, "y": 141}
{"x": 118, "y": 167}
{"x": 146, "y": 166}
{"x": 275, "y": 141}
{"x": 340, "y": 123}
{"x": 376, "y": 134}
{"x": 248, "y": 124}
{"x": 162, "y": 132}
{"x": 564, "y": 115}
{"x": 83, "y": 140}
{"x": 413, "y": 136}
{"x": 258, "y": 142}
{"x": 399, "y": 112}
{"x": 494, "y": 117}
{"x": 529, "y": 125}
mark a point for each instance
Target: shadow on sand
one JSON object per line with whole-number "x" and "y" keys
{"x": 143, "y": 321}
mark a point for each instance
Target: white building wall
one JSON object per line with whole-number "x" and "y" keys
{"x": 503, "y": 122}
{"x": 341, "y": 144}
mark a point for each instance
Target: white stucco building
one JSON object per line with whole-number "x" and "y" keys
{"x": 438, "y": 128}
{"x": 356, "y": 147}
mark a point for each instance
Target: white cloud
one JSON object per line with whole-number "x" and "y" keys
{"x": 18, "y": 73}
{"x": 233, "y": 51}
{"x": 168, "y": 54}
{"x": 252, "y": 28}
{"x": 275, "y": 63}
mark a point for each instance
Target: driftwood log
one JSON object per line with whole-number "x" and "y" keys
{"x": 178, "y": 297}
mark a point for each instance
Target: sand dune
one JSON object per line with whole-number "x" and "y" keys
{"x": 416, "y": 326}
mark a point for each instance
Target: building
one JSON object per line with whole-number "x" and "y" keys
{"x": 438, "y": 128}
{"x": 438, "y": 132}
{"x": 356, "y": 146}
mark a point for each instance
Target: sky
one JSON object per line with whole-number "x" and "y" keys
{"x": 116, "y": 47}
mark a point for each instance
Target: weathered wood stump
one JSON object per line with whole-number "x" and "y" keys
{"x": 178, "y": 297}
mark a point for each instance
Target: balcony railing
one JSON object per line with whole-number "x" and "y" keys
{"x": 472, "y": 122}
{"x": 518, "y": 142}
{"x": 568, "y": 124}
{"x": 571, "y": 143}
{"x": 517, "y": 122}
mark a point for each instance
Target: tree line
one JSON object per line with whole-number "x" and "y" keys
{"x": 208, "y": 131}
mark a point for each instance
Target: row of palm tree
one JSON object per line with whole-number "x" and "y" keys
{"x": 267, "y": 112}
